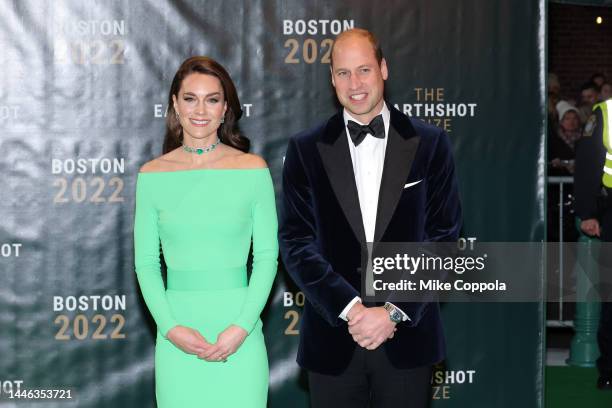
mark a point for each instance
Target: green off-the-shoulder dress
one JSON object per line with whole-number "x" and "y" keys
{"x": 206, "y": 220}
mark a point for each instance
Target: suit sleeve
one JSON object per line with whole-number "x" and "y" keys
{"x": 590, "y": 159}
{"x": 326, "y": 290}
{"x": 442, "y": 210}
{"x": 265, "y": 253}
{"x": 147, "y": 258}
{"x": 443, "y": 207}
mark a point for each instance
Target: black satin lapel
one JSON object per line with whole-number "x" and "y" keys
{"x": 339, "y": 167}
{"x": 399, "y": 157}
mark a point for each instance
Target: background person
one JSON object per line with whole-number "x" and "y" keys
{"x": 593, "y": 188}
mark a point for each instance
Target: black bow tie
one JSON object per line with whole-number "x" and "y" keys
{"x": 358, "y": 132}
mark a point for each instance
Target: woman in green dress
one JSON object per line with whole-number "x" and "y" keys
{"x": 208, "y": 202}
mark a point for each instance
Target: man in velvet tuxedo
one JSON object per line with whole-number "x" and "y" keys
{"x": 368, "y": 174}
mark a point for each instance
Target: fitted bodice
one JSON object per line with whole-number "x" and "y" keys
{"x": 205, "y": 220}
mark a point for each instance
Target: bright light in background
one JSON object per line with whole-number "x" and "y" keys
{"x": 599, "y": 20}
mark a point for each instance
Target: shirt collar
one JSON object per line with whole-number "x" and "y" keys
{"x": 386, "y": 115}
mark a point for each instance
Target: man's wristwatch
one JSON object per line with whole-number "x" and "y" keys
{"x": 394, "y": 314}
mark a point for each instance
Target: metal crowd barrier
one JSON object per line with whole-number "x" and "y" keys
{"x": 583, "y": 348}
{"x": 560, "y": 321}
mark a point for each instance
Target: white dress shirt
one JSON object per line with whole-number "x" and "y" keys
{"x": 368, "y": 160}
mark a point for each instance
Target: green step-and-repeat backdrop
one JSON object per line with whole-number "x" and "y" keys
{"x": 83, "y": 93}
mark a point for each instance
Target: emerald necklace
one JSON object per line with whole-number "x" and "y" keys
{"x": 201, "y": 150}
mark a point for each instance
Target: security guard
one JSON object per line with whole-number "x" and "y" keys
{"x": 593, "y": 189}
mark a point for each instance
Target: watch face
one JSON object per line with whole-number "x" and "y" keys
{"x": 396, "y": 316}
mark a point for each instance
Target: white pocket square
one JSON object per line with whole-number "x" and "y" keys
{"x": 414, "y": 183}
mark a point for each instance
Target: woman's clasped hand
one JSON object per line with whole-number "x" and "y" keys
{"x": 191, "y": 341}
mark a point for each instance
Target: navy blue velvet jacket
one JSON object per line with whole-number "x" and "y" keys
{"x": 321, "y": 233}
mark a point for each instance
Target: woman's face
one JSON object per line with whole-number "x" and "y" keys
{"x": 201, "y": 105}
{"x": 570, "y": 121}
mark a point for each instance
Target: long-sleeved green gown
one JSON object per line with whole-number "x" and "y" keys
{"x": 205, "y": 220}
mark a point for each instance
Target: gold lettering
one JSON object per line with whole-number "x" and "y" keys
{"x": 440, "y": 392}
{"x": 429, "y": 94}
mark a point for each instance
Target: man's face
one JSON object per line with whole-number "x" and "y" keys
{"x": 589, "y": 96}
{"x": 606, "y": 92}
{"x": 599, "y": 80}
{"x": 358, "y": 78}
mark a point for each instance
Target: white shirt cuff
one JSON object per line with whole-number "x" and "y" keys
{"x": 404, "y": 315}
{"x": 343, "y": 314}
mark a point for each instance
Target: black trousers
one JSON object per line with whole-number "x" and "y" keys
{"x": 370, "y": 381}
{"x": 604, "y": 333}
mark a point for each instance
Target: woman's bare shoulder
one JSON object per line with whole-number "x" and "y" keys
{"x": 237, "y": 159}
{"x": 251, "y": 161}
{"x": 166, "y": 162}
